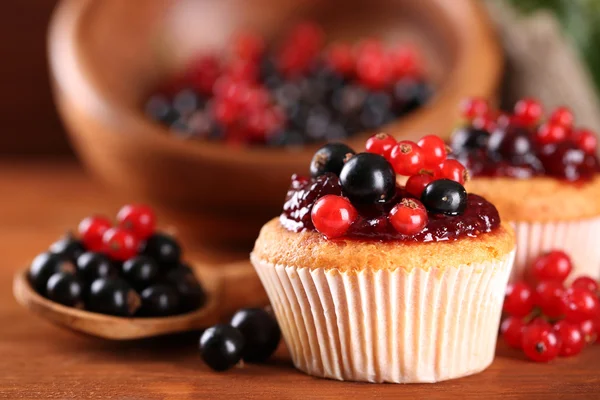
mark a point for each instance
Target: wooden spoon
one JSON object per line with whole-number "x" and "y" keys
{"x": 120, "y": 328}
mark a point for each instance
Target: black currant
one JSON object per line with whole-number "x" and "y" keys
{"x": 159, "y": 301}
{"x": 260, "y": 331}
{"x": 140, "y": 271}
{"x": 66, "y": 289}
{"x": 330, "y": 158}
{"x": 186, "y": 101}
{"x": 44, "y": 266}
{"x": 162, "y": 248}
{"x": 444, "y": 196}
{"x": 68, "y": 247}
{"x": 410, "y": 94}
{"x": 368, "y": 178}
{"x": 512, "y": 143}
{"x": 191, "y": 293}
{"x": 91, "y": 266}
{"x": 467, "y": 138}
{"x": 113, "y": 296}
{"x": 221, "y": 347}
{"x": 159, "y": 108}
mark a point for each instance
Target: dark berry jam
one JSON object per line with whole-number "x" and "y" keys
{"x": 512, "y": 151}
{"x": 372, "y": 223}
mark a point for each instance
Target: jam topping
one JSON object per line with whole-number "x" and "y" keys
{"x": 522, "y": 145}
{"x": 372, "y": 222}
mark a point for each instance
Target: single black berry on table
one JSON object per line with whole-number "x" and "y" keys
{"x": 368, "y": 178}
{"x": 162, "y": 248}
{"x": 66, "y": 289}
{"x": 261, "y": 332}
{"x": 44, "y": 266}
{"x": 468, "y": 138}
{"x": 330, "y": 158}
{"x": 140, "y": 271}
{"x": 91, "y": 266}
{"x": 445, "y": 196}
{"x": 113, "y": 296}
{"x": 159, "y": 301}
{"x": 221, "y": 347}
{"x": 68, "y": 247}
{"x": 191, "y": 293}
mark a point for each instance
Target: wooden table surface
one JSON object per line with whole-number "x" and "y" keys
{"x": 38, "y": 202}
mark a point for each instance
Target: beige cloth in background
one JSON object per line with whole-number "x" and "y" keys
{"x": 542, "y": 63}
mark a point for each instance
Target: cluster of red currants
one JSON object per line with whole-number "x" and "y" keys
{"x": 551, "y": 319}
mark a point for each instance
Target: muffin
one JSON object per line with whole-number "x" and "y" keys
{"x": 542, "y": 175}
{"x": 372, "y": 281}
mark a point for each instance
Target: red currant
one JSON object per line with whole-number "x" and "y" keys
{"x": 585, "y": 282}
{"x": 409, "y": 217}
{"x": 139, "y": 219}
{"x": 373, "y": 69}
{"x": 453, "y": 170}
{"x": 581, "y": 304}
{"x": 405, "y": 62}
{"x": 571, "y": 339}
{"x": 333, "y": 215}
{"x": 225, "y": 112}
{"x": 528, "y": 111}
{"x": 203, "y": 73}
{"x": 243, "y": 70}
{"x": 120, "y": 244}
{"x": 485, "y": 122}
{"x": 473, "y": 107}
{"x": 518, "y": 300}
{"x": 512, "y": 331}
{"x": 552, "y": 266}
{"x": 540, "y": 343}
{"x": 416, "y": 184}
{"x": 434, "y": 149}
{"x": 586, "y": 140}
{"x": 562, "y": 116}
{"x": 589, "y": 330}
{"x": 382, "y": 144}
{"x": 550, "y": 133}
{"x": 407, "y": 158}
{"x": 340, "y": 58}
{"x": 307, "y": 36}
{"x": 549, "y": 297}
{"x": 91, "y": 230}
{"x": 248, "y": 46}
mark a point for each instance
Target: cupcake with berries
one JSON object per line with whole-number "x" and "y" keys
{"x": 379, "y": 282}
{"x": 542, "y": 172}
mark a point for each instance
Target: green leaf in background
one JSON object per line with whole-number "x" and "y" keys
{"x": 581, "y": 21}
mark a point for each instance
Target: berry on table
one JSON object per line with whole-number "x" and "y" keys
{"x": 445, "y": 196}
{"x": 44, "y": 266}
{"x": 571, "y": 338}
{"x": 162, "y": 248}
{"x": 473, "y": 107}
{"x": 408, "y": 217}
{"x": 518, "y": 301}
{"x": 333, "y": 215}
{"x": 91, "y": 231}
{"x": 67, "y": 247}
{"x": 434, "y": 150}
{"x": 580, "y": 305}
{"x": 540, "y": 342}
{"x": 417, "y": 183}
{"x": 382, "y": 144}
{"x": 330, "y": 158}
{"x": 552, "y": 266}
{"x": 261, "y": 333}
{"x": 120, "y": 244}
{"x": 159, "y": 301}
{"x": 368, "y": 178}
{"x": 512, "y": 331}
{"x": 528, "y": 111}
{"x": 91, "y": 266}
{"x": 66, "y": 289}
{"x": 452, "y": 170}
{"x": 221, "y": 347}
{"x": 407, "y": 158}
{"x": 140, "y": 271}
{"x": 585, "y": 282}
{"x": 549, "y": 297}
{"x": 113, "y": 296}
{"x": 139, "y": 219}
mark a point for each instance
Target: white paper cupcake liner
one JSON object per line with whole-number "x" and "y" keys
{"x": 579, "y": 239}
{"x": 389, "y": 325}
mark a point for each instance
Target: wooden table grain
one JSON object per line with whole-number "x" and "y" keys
{"x": 38, "y": 202}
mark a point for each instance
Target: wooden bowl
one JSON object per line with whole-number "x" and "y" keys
{"x": 105, "y": 56}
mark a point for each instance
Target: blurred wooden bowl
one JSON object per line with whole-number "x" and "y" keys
{"x": 105, "y": 56}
